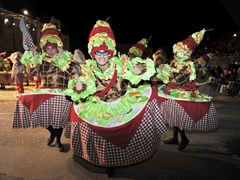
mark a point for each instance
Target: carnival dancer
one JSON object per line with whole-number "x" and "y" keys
{"x": 205, "y": 82}
{"x": 202, "y": 73}
{"x": 137, "y": 50}
{"x": 179, "y": 95}
{"x": 18, "y": 71}
{"x": 5, "y": 67}
{"x": 2, "y": 55}
{"x": 55, "y": 67}
{"x": 159, "y": 58}
{"x": 111, "y": 120}
{"x": 2, "y": 68}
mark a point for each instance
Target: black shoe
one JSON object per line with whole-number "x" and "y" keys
{"x": 60, "y": 147}
{"x": 183, "y": 144}
{"x": 50, "y": 140}
{"x": 171, "y": 141}
{"x": 110, "y": 171}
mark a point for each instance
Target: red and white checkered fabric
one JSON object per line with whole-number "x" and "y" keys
{"x": 96, "y": 150}
{"x": 176, "y": 116}
{"x": 54, "y": 111}
{"x": 28, "y": 41}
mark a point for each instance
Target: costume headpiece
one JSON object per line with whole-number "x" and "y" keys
{"x": 7, "y": 59}
{"x": 6, "y": 64}
{"x": 138, "y": 49}
{"x": 2, "y": 55}
{"x": 185, "y": 48}
{"x": 159, "y": 54}
{"x": 101, "y": 38}
{"x": 50, "y": 37}
{"x": 204, "y": 59}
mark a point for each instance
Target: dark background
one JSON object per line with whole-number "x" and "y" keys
{"x": 167, "y": 22}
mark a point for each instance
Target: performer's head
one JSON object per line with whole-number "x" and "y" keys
{"x": 138, "y": 49}
{"x": 185, "y": 48}
{"x": 2, "y": 55}
{"x": 50, "y": 40}
{"x": 101, "y": 45}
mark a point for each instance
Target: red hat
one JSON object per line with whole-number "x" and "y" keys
{"x": 191, "y": 44}
{"x": 101, "y": 38}
{"x": 159, "y": 54}
{"x": 138, "y": 49}
{"x": 185, "y": 48}
{"x": 50, "y": 37}
{"x": 2, "y": 54}
{"x": 7, "y": 59}
{"x": 204, "y": 59}
{"x": 49, "y": 44}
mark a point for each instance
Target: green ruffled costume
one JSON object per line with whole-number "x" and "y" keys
{"x": 106, "y": 98}
{"x": 169, "y": 72}
{"x": 119, "y": 111}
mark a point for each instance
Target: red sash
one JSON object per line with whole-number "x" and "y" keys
{"x": 105, "y": 91}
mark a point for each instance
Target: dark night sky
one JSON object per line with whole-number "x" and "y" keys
{"x": 167, "y": 22}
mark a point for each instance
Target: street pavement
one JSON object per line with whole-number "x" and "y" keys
{"x": 215, "y": 155}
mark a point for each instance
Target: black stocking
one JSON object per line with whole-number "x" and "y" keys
{"x": 58, "y": 142}
{"x": 175, "y": 133}
{"x": 51, "y": 130}
{"x": 52, "y": 135}
{"x": 58, "y": 134}
{"x": 183, "y": 135}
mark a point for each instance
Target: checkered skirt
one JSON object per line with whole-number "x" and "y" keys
{"x": 54, "y": 111}
{"x": 89, "y": 145}
{"x": 176, "y": 116}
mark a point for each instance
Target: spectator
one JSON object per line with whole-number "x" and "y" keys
{"x": 235, "y": 88}
{"x": 226, "y": 77}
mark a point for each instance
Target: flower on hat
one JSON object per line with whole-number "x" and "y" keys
{"x": 101, "y": 38}
{"x": 50, "y": 37}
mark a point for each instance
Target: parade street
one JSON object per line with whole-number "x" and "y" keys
{"x": 24, "y": 154}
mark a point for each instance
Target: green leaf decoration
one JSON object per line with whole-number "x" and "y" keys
{"x": 91, "y": 88}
